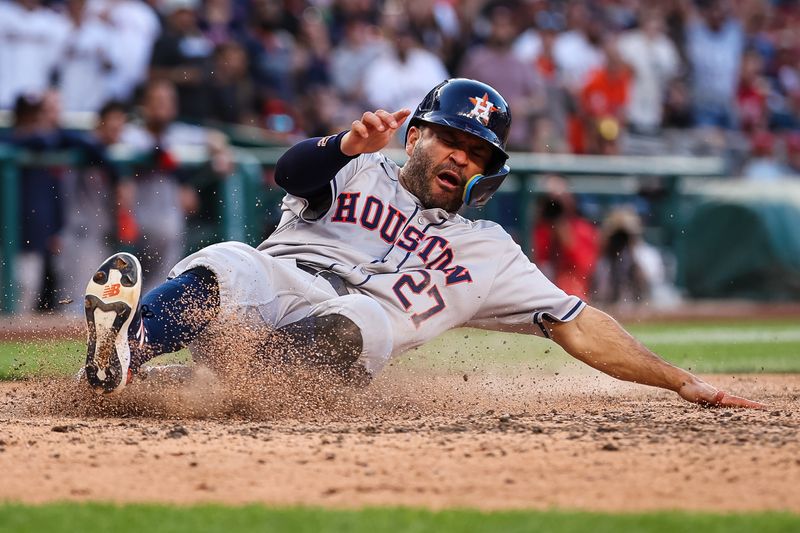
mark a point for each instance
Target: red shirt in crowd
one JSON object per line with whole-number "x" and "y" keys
{"x": 572, "y": 263}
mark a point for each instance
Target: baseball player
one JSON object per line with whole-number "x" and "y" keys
{"x": 370, "y": 260}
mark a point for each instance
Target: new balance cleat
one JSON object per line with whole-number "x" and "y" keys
{"x": 111, "y": 302}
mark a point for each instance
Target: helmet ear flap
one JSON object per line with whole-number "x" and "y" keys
{"x": 480, "y": 188}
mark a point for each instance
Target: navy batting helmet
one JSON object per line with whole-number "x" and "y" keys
{"x": 475, "y": 108}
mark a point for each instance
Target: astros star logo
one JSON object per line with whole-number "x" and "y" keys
{"x": 483, "y": 107}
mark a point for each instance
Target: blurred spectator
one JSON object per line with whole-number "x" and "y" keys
{"x": 577, "y": 51}
{"x": 312, "y": 57}
{"x": 785, "y": 111}
{"x": 630, "y": 271}
{"x": 272, "y": 52}
{"x": 31, "y": 40}
{"x": 714, "y": 45}
{"x": 654, "y": 62}
{"x": 565, "y": 245}
{"x": 91, "y": 199}
{"x": 758, "y": 34}
{"x": 41, "y": 211}
{"x": 163, "y": 194}
{"x": 341, "y": 11}
{"x": 535, "y": 49}
{"x": 323, "y": 113}
{"x": 351, "y": 59}
{"x": 604, "y": 101}
{"x": 436, "y": 27}
{"x": 763, "y": 166}
{"x": 219, "y": 22}
{"x": 43, "y": 190}
{"x": 399, "y": 78}
{"x": 233, "y": 97}
{"x": 88, "y": 61}
{"x": 752, "y": 93}
{"x": 182, "y": 55}
{"x": 621, "y": 14}
{"x": 66, "y": 212}
{"x": 136, "y": 28}
{"x": 496, "y": 64}
{"x": 534, "y": 20}
{"x": 677, "y": 106}
{"x": 793, "y": 154}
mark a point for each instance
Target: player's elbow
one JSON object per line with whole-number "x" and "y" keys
{"x": 578, "y": 337}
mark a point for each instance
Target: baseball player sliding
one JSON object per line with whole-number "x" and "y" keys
{"x": 370, "y": 260}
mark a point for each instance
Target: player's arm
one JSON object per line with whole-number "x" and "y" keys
{"x": 307, "y": 168}
{"x": 599, "y": 341}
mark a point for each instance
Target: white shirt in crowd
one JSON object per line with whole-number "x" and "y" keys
{"x": 392, "y": 84}
{"x": 31, "y": 42}
{"x": 88, "y": 63}
{"x": 654, "y": 62}
{"x": 136, "y": 27}
{"x": 528, "y": 46}
{"x": 575, "y": 58}
{"x": 715, "y": 58}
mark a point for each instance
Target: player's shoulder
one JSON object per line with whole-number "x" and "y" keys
{"x": 486, "y": 228}
{"x": 376, "y": 158}
{"x": 377, "y": 162}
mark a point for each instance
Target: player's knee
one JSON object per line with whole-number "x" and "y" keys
{"x": 372, "y": 323}
{"x": 328, "y": 340}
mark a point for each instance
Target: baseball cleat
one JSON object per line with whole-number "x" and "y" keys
{"x": 111, "y": 302}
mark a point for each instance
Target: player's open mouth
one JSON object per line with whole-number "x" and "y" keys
{"x": 448, "y": 180}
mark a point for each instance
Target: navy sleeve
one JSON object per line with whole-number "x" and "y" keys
{"x": 308, "y": 167}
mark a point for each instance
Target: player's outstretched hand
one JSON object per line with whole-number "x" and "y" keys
{"x": 704, "y": 394}
{"x": 372, "y": 132}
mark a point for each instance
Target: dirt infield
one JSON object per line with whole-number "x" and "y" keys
{"x": 488, "y": 440}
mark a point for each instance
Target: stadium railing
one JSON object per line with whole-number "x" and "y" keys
{"x": 245, "y": 193}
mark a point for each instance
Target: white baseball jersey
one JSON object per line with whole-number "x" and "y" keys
{"x": 428, "y": 269}
{"x": 86, "y": 66}
{"x": 31, "y": 42}
{"x": 136, "y": 28}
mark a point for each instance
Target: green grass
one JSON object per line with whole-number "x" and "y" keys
{"x": 702, "y": 347}
{"x": 20, "y": 360}
{"x": 726, "y": 346}
{"x": 40, "y": 358}
{"x": 154, "y": 518}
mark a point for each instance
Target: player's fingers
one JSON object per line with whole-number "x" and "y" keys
{"x": 359, "y": 129}
{"x": 729, "y": 400}
{"x": 401, "y": 115}
{"x": 723, "y": 399}
{"x": 387, "y": 118}
{"x": 372, "y": 120}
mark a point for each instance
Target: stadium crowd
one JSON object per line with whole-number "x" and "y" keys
{"x": 581, "y": 76}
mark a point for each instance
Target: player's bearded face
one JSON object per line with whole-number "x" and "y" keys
{"x": 437, "y": 182}
{"x": 419, "y": 176}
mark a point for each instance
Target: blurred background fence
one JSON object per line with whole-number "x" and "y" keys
{"x": 656, "y": 145}
{"x": 694, "y": 211}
